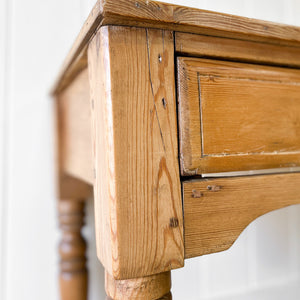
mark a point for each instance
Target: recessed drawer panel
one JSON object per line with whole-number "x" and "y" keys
{"x": 237, "y": 117}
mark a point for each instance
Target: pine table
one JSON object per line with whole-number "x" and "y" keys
{"x": 161, "y": 112}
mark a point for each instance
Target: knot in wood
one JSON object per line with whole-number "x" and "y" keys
{"x": 174, "y": 222}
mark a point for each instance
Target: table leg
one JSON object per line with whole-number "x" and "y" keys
{"x": 73, "y": 271}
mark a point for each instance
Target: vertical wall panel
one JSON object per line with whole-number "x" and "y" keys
{"x": 294, "y": 240}
{"x": 41, "y": 35}
{"x": 228, "y": 270}
{"x": 272, "y": 247}
{"x": 191, "y": 288}
{"x": 4, "y": 20}
{"x": 296, "y": 12}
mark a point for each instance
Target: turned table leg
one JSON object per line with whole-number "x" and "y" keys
{"x": 145, "y": 288}
{"x": 73, "y": 272}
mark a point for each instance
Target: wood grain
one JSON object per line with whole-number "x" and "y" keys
{"x": 73, "y": 272}
{"x": 75, "y": 129}
{"x": 236, "y": 50}
{"x": 151, "y": 14}
{"x": 137, "y": 187}
{"x": 145, "y": 13}
{"x": 145, "y": 288}
{"x": 73, "y": 141}
{"x": 216, "y": 211}
{"x": 237, "y": 117}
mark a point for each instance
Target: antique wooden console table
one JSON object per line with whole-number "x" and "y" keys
{"x": 151, "y": 98}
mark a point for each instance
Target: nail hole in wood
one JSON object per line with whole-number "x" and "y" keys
{"x": 164, "y": 103}
{"x": 214, "y": 188}
{"x": 159, "y": 58}
{"x": 196, "y": 194}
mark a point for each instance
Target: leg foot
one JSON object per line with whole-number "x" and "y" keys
{"x": 146, "y": 288}
{"x": 73, "y": 272}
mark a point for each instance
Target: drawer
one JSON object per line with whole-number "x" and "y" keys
{"x": 237, "y": 117}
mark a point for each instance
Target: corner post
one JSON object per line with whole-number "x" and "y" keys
{"x": 138, "y": 208}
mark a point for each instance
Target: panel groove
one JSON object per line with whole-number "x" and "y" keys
{"x": 201, "y": 117}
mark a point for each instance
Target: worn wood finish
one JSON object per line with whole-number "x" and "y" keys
{"x": 236, "y": 117}
{"x": 144, "y": 288}
{"x": 75, "y": 129}
{"x": 144, "y": 13}
{"x": 216, "y": 211}
{"x": 232, "y": 117}
{"x": 73, "y": 272}
{"x": 137, "y": 188}
{"x": 236, "y": 50}
{"x": 165, "y": 297}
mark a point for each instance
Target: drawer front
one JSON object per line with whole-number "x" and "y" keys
{"x": 237, "y": 117}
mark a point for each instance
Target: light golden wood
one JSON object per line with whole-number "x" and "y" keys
{"x": 237, "y": 50}
{"x": 146, "y": 288}
{"x": 137, "y": 188}
{"x": 145, "y": 13}
{"x": 236, "y": 117}
{"x": 165, "y": 297}
{"x": 216, "y": 211}
{"x": 102, "y": 134}
{"x": 75, "y": 129}
{"x": 232, "y": 117}
{"x": 72, "y": 106}
{"x": 73, "y": 272}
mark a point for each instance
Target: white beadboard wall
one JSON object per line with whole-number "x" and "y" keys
{"x": 35, "y": 36}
